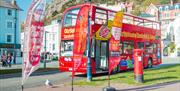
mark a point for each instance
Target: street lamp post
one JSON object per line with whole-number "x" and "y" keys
{"x": 15, "y": 20}
{"x": 45, "y": 49}
{"x": 89, "y": 68}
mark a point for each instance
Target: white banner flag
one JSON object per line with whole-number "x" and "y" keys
{"x": 34, "y": 28}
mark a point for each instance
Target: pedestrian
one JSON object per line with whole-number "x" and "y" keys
{"x": 3, "y": 60}
{"x": 9, "y": 59}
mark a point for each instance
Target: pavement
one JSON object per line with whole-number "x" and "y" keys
{"x": 36, "y": 82}
{"x": 12, "y": 82}
{"x": 172, "y": 86}
{"x": 53, "y": 64}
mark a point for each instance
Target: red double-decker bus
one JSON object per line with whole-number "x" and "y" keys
{"x": 136, "y": 33}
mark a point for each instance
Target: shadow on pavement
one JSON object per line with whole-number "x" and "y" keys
{"x": 153, "y": 87}
{"x": 94, "y": 75}
{"x": 164, "y": 66}
{"x": 160, "y": 78}
{"x": 36, "y": 73}
{"x": 101, "y": 73}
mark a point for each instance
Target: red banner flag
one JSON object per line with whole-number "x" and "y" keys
{"x": 80, "y": 37}
{"x": 34, "y": 29}
{"x": 113, "y": 63}
{"x": 114, "y": 44}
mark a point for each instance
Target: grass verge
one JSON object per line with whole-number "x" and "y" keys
{"x": 10, "y": 71}
{"x": 151, "y": 77}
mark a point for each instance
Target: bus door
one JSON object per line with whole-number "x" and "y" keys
{"x": 101, "y": 55}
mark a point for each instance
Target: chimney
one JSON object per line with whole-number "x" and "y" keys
{"x": 172, "y": 2}
{"x": 13, "y": 2}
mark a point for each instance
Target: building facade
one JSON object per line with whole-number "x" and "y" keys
{"x": 9, "y": 28}
{"x": 167, "y": 15}
{"x": 51, "y": 39}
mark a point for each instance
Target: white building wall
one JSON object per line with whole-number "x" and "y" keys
{"x": 52, "y": 33}
{"x": 176, "y": 24}
{"x": 176, "y": 33}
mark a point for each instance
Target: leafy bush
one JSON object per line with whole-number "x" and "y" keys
{"x": 172, "y": 47}
{"x": 165, "y": 51}
{"x": 178, "y": 49}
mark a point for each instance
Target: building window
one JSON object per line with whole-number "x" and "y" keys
{"x": 53, "y": 37}
{"x": 167, "y": 8}
{"x": 9, "y": 38}
{"x": 9, "y": 12}
{"x": 9, "y": 24}
{"x": 176, "y": 7}
{"x": 160, "y": 8}
{"x": 53, "y": 46}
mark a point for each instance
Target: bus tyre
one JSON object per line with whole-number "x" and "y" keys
{"x": 114, "y": 71}
{"x": 118, "y": 68}
{"x": 149, "y": 63}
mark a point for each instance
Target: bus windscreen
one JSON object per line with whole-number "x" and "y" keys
{"x": 70, "y": 17}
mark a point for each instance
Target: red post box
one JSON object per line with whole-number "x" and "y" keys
{"x": 138, "y": 65}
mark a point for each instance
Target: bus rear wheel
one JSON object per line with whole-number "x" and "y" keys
{"x": 149, "y": 63}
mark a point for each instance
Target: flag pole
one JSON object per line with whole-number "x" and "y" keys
{"x": 109, "y": 71}
{"x": 72, "y": 81}
{"x": 109, "y": 80}
{"x": 72, "y": 76}
{"x": 22, "y": 87}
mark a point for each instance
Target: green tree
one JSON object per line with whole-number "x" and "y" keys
{"x": 172, "y": 47}
{"x": 138, "y": 7}
{"x": 164, "y": 1}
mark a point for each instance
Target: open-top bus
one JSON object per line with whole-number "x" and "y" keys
{"x": 136, "y": 33}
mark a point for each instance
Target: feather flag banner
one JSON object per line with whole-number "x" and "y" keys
{"x": 114, "y": 46}
{"x": 80, "y": 37}
{"x": 34, "y": 29}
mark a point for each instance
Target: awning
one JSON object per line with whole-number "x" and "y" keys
{"x": 6, "y": 45}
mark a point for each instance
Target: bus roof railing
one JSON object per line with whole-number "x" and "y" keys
{"x": 132, "y": 19}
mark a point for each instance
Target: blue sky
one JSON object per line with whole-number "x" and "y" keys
{"x": 23, "y": 4}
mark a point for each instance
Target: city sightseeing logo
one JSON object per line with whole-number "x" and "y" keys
{"x": 104, "y": 31}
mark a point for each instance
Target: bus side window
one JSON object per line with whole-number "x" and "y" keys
{"x": 141, "y": 45}
{"x": 128, "y": 47}
{"x": 92, "y": 47}
{"x": 154, "y": 48}
{"x": 149, "y": 47}
{"x": 100, "y": 16}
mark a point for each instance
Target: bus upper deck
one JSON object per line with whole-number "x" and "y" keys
{"x": 101, "y": 16}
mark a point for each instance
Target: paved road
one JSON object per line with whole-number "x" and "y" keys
{"x": 171, "y": 60}
{"x": 13, "y": 82}
{"x": 172, "y": 86}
